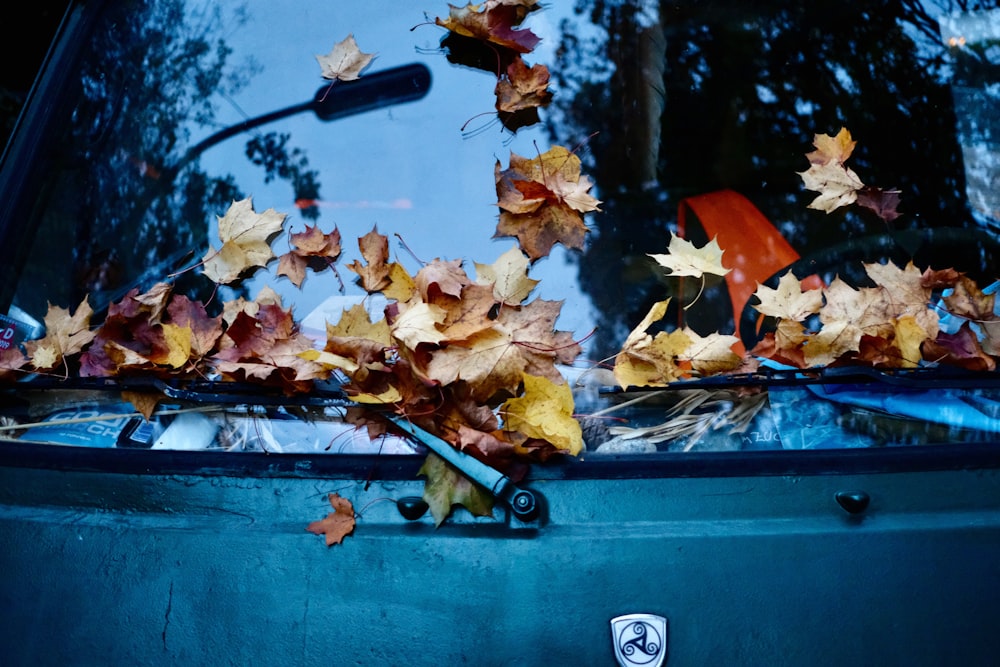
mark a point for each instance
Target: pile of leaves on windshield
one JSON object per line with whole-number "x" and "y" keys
{"x": 471, "y": 357}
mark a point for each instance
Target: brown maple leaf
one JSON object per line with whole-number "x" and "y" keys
{"x": 882, "y": 202}
{"x": 492, "y": 22}
{"x": 268, "y": 348}
{"x": 542, "y": 201}
{"x": 310, "y": 248}
{"x": 338, "y": 524}
{"x": 961, "y": 348}
{"x": 520, "y": 340}
{"x": 441, "y": 276}
{"x": 523, "y": 88}
{"x": 375, "y": 275}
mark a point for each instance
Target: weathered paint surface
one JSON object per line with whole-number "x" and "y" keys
{"x": 104, "y": 568}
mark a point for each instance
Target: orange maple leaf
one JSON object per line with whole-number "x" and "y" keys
{"x": 338, "y": 524}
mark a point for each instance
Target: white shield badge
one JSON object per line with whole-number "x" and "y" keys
{"x": 640, "y": 640}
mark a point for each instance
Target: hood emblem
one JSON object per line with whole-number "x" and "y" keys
{"x": 640, "y": 640}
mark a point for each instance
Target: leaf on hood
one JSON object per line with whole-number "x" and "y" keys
{"x": 338, "y": 524}
{"x": 446, "y": 487}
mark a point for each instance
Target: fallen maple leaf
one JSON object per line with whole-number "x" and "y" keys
{"x": 338, "y": 524}
{"x": 788, "y": 300}
{"x": 345, "y": 62}
{"x": 246, "y": 242}
{"x": 711, "y": 354}
{"x": 882, "y": 202}
{"x": 446, "y": 487}
{"x": 373, "y": 276}
{"x": 310, "y": 248}
{"x": 838, "y": 185}
{"x": 492, "y": 22}
{"x": 523, "y": 88}
{"x": 545, "y": 411}
{"x": 645, "y": 360}
{"x": 519, "y": 340}
{"x": 683, "y": 258}
{"x": 508, "y": 276}
{"x": 542, "y": 201}
{"x": 65, "y": 335}
{"x": 418, "y": 324}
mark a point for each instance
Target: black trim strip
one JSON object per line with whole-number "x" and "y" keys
{"x": 977, "y": 456}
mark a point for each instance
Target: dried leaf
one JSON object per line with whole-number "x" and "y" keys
{"x": 246, "y": 242}
{"x": 345, "y": 62}
{"x": 683, "y": 258}
{"x": 446, "y": 487}
{"x": 545, "y": 411}
{"x": 338, "y": 524}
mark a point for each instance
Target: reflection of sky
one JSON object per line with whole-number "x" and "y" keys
{"x": 409, "y": 169}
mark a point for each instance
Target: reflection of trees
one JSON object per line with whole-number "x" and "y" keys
{"x": 691, "y": 97}
{"x": 115, "y": 208}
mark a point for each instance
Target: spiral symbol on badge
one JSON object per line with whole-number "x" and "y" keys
{"x": 639, "y": 642}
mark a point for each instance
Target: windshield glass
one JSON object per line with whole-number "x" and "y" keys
{"x": 543, "y": 164}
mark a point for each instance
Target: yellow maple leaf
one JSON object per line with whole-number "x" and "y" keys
{"x": 65, "y": 334}
{"x": 418, "y": 324}
{"x": 246, "y": 241}
{"x": 788, "y": 301}
{"x": 837, "y": 184}
{"x": 345, "y": 62}
{"x": 710, "y": 354}
{"x": 545, "y": 411}
{"x": 645, "y": 360}
{"x": 508, "y": 277}
{"x": 446, "y": 487}
{"x": 832, "y": 341}
{"x": 909, "y": 337}
{"x": 178, "y": 340}
{"x": 683, "y": 258}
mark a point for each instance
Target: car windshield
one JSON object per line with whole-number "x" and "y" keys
{"x": 619, "y": 195}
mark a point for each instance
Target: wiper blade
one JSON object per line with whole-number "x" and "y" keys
{"x": 224, "y": 392}
{"x": 921, "y": 378}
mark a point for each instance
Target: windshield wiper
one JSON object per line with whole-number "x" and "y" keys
{"x": 916, "y": 378}
{"x": 522, "y": 503}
